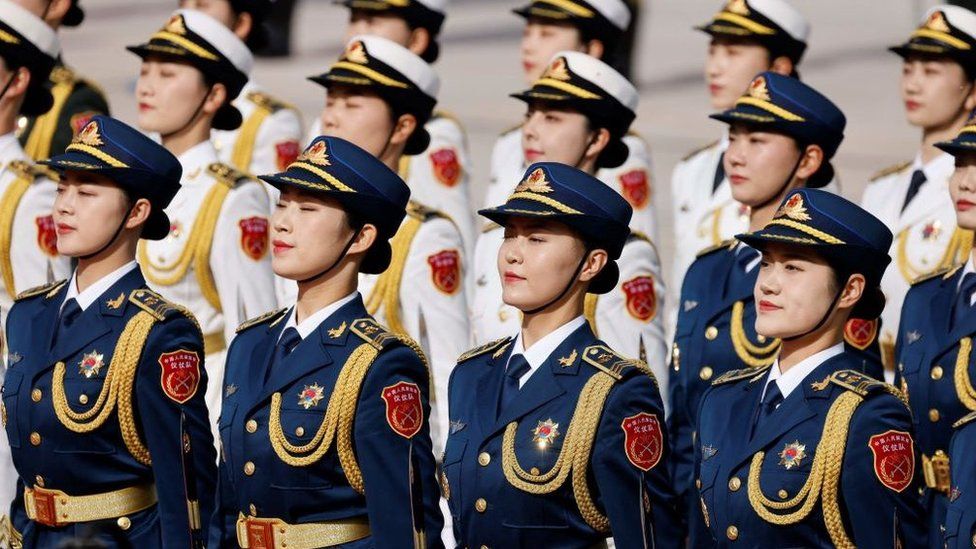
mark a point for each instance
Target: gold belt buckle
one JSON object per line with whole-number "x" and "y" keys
{"x": 260, "y": 533}
{"x": 45, "y": 507}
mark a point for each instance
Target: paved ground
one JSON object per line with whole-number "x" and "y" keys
{"x": 847, "y": 60}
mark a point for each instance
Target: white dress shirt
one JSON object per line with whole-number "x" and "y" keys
{"x": 792, "y": 378}
{"x": 309, "y": 325}
{"x": 539, "y": 352}
{"x": 93, "y": 292}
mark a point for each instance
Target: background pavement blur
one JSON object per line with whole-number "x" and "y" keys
{"x": 847, "y": 60}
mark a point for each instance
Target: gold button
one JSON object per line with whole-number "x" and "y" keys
{"x": 760, "y": 338}
{"x": 83, "y": 399}
{"x": 783, "y": 494}
{"x": 484, "y": 458}
{"x": 124, "y": 523}
{"x": 35, "y": 438}
{"x": 484, "y": 547}
{"x": 39, "y": 480}
{"x": 249, "y": 468}
{"x": 735, "y": 484}
{"x": 253, "y": 510}
{"x": 705, "y": 373}
{"x": 481, "y": 505}
{"x": 36, "y": 395}
{"x": 299, "y": 431}
{"x": 921, "y": 490}
{"x": 698, "y": 483}
{"x": 251, "y": 426}
{"x": 936, "y": 373}
{"x": 711, "y": 333}
{"x": 934, "y": 415}
{"x": 534, "y": 471}
{"x": 732, "y": 533}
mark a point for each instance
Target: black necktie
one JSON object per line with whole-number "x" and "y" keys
{"x": 918, "y": 178}
{"x": 770, "y": 401}
{"x": 289, "y": 340}
{"x": 517, "y": 366}
{"x": 962, "y": 306}
{"x": 744, "y": 255}
{"x": 69, "y": 314}
{"x": 719, "y": 173}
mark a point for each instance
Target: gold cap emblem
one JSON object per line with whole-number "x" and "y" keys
{"x": 316, "y": 154}
{"x": 89, "y": 135}
{"x": 356, "y": 53}
{"x": 794, "y": 209}
{"x": 536, "y": 182}
{"x": 758, "y": 89}
{"x": 175, "y": 25}
{"x": 557, "y": 70}
{"x": 936, "y": 22}
{"x": 737, "y": 6}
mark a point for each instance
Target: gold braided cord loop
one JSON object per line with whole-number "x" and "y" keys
{"x": 573, "y": 458}
{"x": 545, "y": 200}
{"x": 386, "y": 292}
{"x": 116, "y": 390}
{"x": 336, "y": 425}
{"x": 823, "y": 481}
{"x": 751, "y": 354}
{"x": 958, "y": 249}
{"x": 196, "y": 252}
{"x": 8, "y": 210}
{"x": 243, "y": 151}
{"x": 816, "y": 233}
{"x": 38, "y": 145}
{"x": 964, "y": 387}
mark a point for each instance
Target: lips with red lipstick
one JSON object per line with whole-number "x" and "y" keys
{"x": 280, "y": 247}
{"x": 768, "y": 306}
{"x": 64, "y": 228}
{"x": 963, "y": 205}
{"x": 144, "y": 107}
{"x": 912, "y": 105}
{"x": 528, "y": 66}
{"x": 512, "y": 277}
{"x": 715, "y": 89}
{"x": 532, "y": 155}
{"x": 737, "y": 179}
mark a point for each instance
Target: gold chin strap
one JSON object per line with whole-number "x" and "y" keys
{"x": 958, "y": 249}
{"x": 823, "y": 481}
{"x": 748, "y": 352}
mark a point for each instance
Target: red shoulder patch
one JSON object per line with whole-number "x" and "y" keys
{"x": 404, "y": 412}
{"x": 47, "y": 236}
{"x": 860, "y": 333}
{"x": 181, "y": 374}
{"x": 894, "y": 458}
{"x": 636, "y": 188}
{"x": 643, "y": 440}
{"x": 80, "y": 120}
{"x": 254, "y": 236}
{"x": 445, "y": 270}
{"x": 641, "y": 300}
{"x": 287, "y": 152}
{"x": 447, "y": 167}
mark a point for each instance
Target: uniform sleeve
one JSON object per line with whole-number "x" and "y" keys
{"x": 960, "y": 522}
{"x": 877, "y": 470}
{"x": 242, "y": 272}
{"x": 432, "y": 289}
{"x": 222, "y": 530}
{"x": 634, "y": 181}
{"x": 170, "y": 387}
{"x": 33, "y": 248}
{"x": 630, "y": 317}
{"x": 682, "y": 417}
{"x": 389, "y": 444}
{"x": 630, "y": 467}
{"x": 278, "y": 143}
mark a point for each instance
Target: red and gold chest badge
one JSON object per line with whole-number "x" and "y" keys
{"x": 287, "y": 152}
{"x": 80, "y": 120}
{"x": 310, "y": 396}
{"x": 47, "y": 237}
{"x": 445, "y": 270}
{"x": 793, "y": 454}
{"x": 894, "y": 458}
{"x": 545, "y": 433}
{"x": 254, "y": 236}
{"x": 643, "y": 441}
{"x": 860, "y": 333}
{"x": 404, "y": 411}
{"x": 641, "y": 301}
{"x": 446, "y": 166}
{"x": 181, "y": 374}
{"x": 635, "y": 188}
{"x": 91, "y": 364}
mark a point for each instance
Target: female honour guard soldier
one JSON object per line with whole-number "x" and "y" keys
{"x": 960, "y": 519}
{"x": 214, "y": 259}
{"x": 554, "y": 402}
{"x": 324, "y": 426}
{"x": 934, "y": 351}
{"x": 938, "y": 86}
{"x": 813, "y": 453}
{"x": 577, "y": 114}
{"x": 379, "y": 97}
{"x": 103, "y": 402}
{"x": 597, "y": 28}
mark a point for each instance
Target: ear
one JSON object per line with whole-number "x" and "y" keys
{"x": 813, "y": 158}
{"x": 215, "y": 99}
{"x": 852, "y": 292}
{"x": 599, "y": 142}
{"x": 595, "y": 263}
{"x": 243, "y": 26}
{"x": 419, "y": 41}
{"x": 782, "y": 65}
{"x": 56, "y": 11}
{"x": 594, "y": 48}
{"x": 403, "y": 129}
{"x": 21, "y": 82}
{"x": 969, "y": 103}
{"x": 364, "y": 239}
{"x": 139, "y": 214}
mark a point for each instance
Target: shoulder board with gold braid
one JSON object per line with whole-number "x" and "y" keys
{"x": 893, "y": 169}
{"x": 712, "y": 249}
{"x": 510, "y": 129}
{"x": 154, "y": 304}
{"x": 701, "y": 149}
{"x": 751, "y": 374}
{"x": 227, "y": 175}
{"x": 371, "y": 332}
{"x": 945, "y": 272}
{"x": 446, "y": 115}
{"x": 267, "y": 102}
{"x": 62, "y": 75}
{"x": 863, "y": 385}
{"x": 606, "y": 360}
{"x": 490, "y": 226}
{"x": 266, "y": 317}
{"x": 23, "y": 169}
{"x": 486, "y": 348}
{"x": 965, "y": 420}
{"x": 637, "y": 235}
{"x": 637, "y": 134}
{"x": 47, "y": 290}
{"x": 417, "y": 210}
